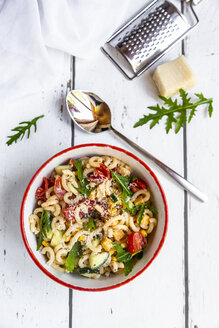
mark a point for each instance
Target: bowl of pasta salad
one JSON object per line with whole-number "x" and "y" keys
{"x": 94, "y": 217}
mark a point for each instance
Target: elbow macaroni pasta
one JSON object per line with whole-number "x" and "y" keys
{"x": 113, "y": 222}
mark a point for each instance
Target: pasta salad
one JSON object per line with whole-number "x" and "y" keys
{"x": 93, "y": 216}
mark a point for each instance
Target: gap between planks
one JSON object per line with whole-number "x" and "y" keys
{"x": 186, "y": 248}
{"x": 72, "y": 86}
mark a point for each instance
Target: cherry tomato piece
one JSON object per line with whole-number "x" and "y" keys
{"x": 137, "y": 185}
{"x": 135, "y": 242}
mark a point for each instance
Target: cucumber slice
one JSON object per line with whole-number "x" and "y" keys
{"x": 88, "y": 272}
{"x": 49, "y": 234}
{"x": 56, "y": 238}
{"x": 60, "y": 168}
{"x": 97, "y": 260}
{"x": 95, "y": 242}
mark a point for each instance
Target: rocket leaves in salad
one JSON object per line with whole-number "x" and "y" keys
{"x": 73, "y": 255}
{"x": 45, "y": 226}
{"x": 84, "y": 188}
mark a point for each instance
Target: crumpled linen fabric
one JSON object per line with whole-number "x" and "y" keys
{"x": 34, "y": 33}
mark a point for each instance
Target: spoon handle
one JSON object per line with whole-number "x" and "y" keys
{"x": 177, "y": 177}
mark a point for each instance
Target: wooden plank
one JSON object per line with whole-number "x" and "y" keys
{"x": 202, "y": 49}
{"x": 28, "y": 297}
{"x": 157, "y": 297}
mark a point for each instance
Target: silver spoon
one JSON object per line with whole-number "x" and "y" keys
{"x": 93, "y": 115}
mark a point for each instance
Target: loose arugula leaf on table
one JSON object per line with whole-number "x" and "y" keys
{"x": 176, "y": 113}
{"x": 45, "y": 225}
{"x": 73, "y": 255}
{"x": 141, "y": 212}
{"x": 90, "y": 224}
{"x": 23, "y": 127}
{"x": 84, "y": 189}
{"x": 151, "y": 207}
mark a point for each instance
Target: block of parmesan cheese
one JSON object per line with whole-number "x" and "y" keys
{"x": 172, "y": 76}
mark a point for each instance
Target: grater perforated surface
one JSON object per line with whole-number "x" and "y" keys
{"x": 149, "y": 35}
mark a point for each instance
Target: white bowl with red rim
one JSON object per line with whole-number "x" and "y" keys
{"x": 155, "y": 241}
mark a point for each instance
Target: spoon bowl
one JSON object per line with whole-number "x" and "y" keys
{"x": 88, "y": 111}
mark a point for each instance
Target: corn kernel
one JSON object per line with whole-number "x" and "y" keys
{"x": 144, "y": 233}
{"x": 81, "y": 238}
{"x": 124, "y": 245}
{"x": 145, "y": 220}
{"x": 92, "y": 195}
{"x": 45, "y": 243}
{"x": 113, "y": 211}
{"x": 118, "y": 234}
{"x": 114, "y": 259}
{"x": 107, "y": 244}
{"x": 112, "y": 252}
{"x": 139, "y": 200}
{"x": 67, "y": 238}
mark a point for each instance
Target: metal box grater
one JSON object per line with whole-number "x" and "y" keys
{"x": 148, "y": 36}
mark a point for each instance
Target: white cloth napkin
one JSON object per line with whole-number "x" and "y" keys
{"x": 32, "y": 34}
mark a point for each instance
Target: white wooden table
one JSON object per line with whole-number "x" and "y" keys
{"x": 181, "y": 287}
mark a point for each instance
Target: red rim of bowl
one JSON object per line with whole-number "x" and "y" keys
{"x": 42, "y": 268}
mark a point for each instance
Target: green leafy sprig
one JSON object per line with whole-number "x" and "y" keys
{"x": 125, "y": 257}
{"x": 84, "y": 189}
{"x": 176, "y": 113}
{"x": 90, "y": 224}
{"x": 151, "y": 207}
{"x": 45, "y": 226}
{"x": 141, "y": 212}
{"x": 73, "y": 255}
{"x": 123, "y": 181}
{"x": 23, "y": 127}
{"x": 126, "y": 192}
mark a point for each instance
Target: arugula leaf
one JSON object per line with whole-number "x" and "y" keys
{"x": 122, "y": 255}
{"x": 90, "y": 224}
{"x": 113, "y": 198}
{"x": 84, "y": 189}
{"x": 152, "y": 208}
{"x": 73, "y": 255}
{"x": 141, "y": 212}
{"x": 176, "y": 113}
{"x": 126, "y": 192}
{"x": 40, "y": 239}
{"x": 126, "y": 257}
{"x": 79, "y": 168}
{"x": 22, "y": 129}
{"x": 45, "y": 225}
{"x": 130, "y": 207}
{"x": 128, "y": 266}
{"x": 123, "y": 181}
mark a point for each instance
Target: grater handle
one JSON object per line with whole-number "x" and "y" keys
{"x": 177, "y": 177}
